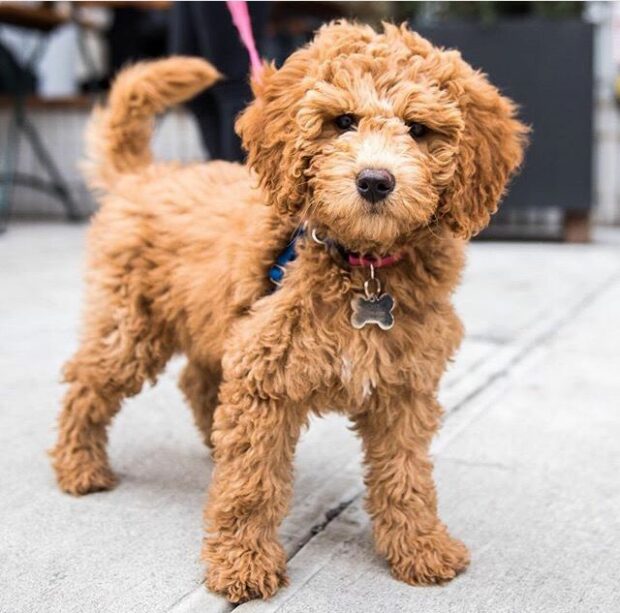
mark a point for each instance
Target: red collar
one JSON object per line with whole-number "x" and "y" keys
{"x": 365, "y": 260}
{"x": 357, "y": 260}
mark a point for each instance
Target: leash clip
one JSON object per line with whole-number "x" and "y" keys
{"x": 372, "y": 285}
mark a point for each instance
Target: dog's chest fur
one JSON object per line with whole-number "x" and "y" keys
{"x": 354, "y": 368}
{"x": 299, "y": 341}
{"x": 360, "y": 376}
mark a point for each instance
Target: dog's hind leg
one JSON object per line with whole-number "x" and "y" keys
{"x": 200, "y": 385}
{"x": 122, "y": 347}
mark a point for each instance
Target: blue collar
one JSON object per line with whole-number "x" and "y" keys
{"x": 289, "y": 254}
{"x": 277, "y": 271}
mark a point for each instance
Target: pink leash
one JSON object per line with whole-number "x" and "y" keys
{"x": 241, "y": 18}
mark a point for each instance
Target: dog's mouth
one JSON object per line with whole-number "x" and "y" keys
{"x": 368, "y": 227}
{"x": 372, "y": 233}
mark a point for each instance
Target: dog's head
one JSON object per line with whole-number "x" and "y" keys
{"x": 374, "y": 136}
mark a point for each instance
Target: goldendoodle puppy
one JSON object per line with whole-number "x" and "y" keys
{"x": 376, "y": 156}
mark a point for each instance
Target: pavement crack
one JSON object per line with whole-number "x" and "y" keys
{"x": 492, "y": 339}
{"x": 517, "y": 351}
{"x": 478, "y": 463}
{"x": 330, "y": 516}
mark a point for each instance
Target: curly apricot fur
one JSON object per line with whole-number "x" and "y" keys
{"x": 178, "y": 259}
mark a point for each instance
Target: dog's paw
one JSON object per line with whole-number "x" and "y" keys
{"x": 434, "y": 558}
{"x": 79, "y": 473}
{"x": 241, "y": 573}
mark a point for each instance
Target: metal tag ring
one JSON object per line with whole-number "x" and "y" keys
{"x": 372, "y": 295}
{"x": 316, "y": 238}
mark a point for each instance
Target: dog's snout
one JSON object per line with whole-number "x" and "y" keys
{"x": 374, "y": 184}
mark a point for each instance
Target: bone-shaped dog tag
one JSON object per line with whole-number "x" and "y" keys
{"x": 373, "y": 310}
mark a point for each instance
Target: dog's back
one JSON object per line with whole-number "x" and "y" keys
{"x": 198, "y": 229}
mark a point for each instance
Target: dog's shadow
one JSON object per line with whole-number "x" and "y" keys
{"x": 178, "y": 471}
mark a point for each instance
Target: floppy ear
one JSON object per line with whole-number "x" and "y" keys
{"x": 280, "y": 140}
{"x": 490, "y": 151}
{"x": 277, "y": 149}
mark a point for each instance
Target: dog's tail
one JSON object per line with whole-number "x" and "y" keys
{"x": 119, "y": 134}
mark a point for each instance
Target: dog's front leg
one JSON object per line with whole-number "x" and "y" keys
{"x": 254, "y": 439}
{"x": 401, "y": 493}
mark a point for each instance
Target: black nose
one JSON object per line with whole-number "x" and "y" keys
{"x": 375, "y": 185}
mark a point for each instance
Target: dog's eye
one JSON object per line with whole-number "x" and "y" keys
{"x": 345, "y": 122}
{"x": 417, "y": 130}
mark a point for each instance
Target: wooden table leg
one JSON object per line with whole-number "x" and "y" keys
{"x": 577, "y": 227}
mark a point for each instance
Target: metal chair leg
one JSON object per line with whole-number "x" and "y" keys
{"x": 58, "y": 185}
{"x": 11, "y": 155}
{"x": 20, "y": 124}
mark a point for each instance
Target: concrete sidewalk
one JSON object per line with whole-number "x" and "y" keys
{"x": 527, "y": 462}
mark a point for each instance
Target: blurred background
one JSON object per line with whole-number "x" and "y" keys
{"x": 528, "y": 459}
{"x": 559, "y": 60}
